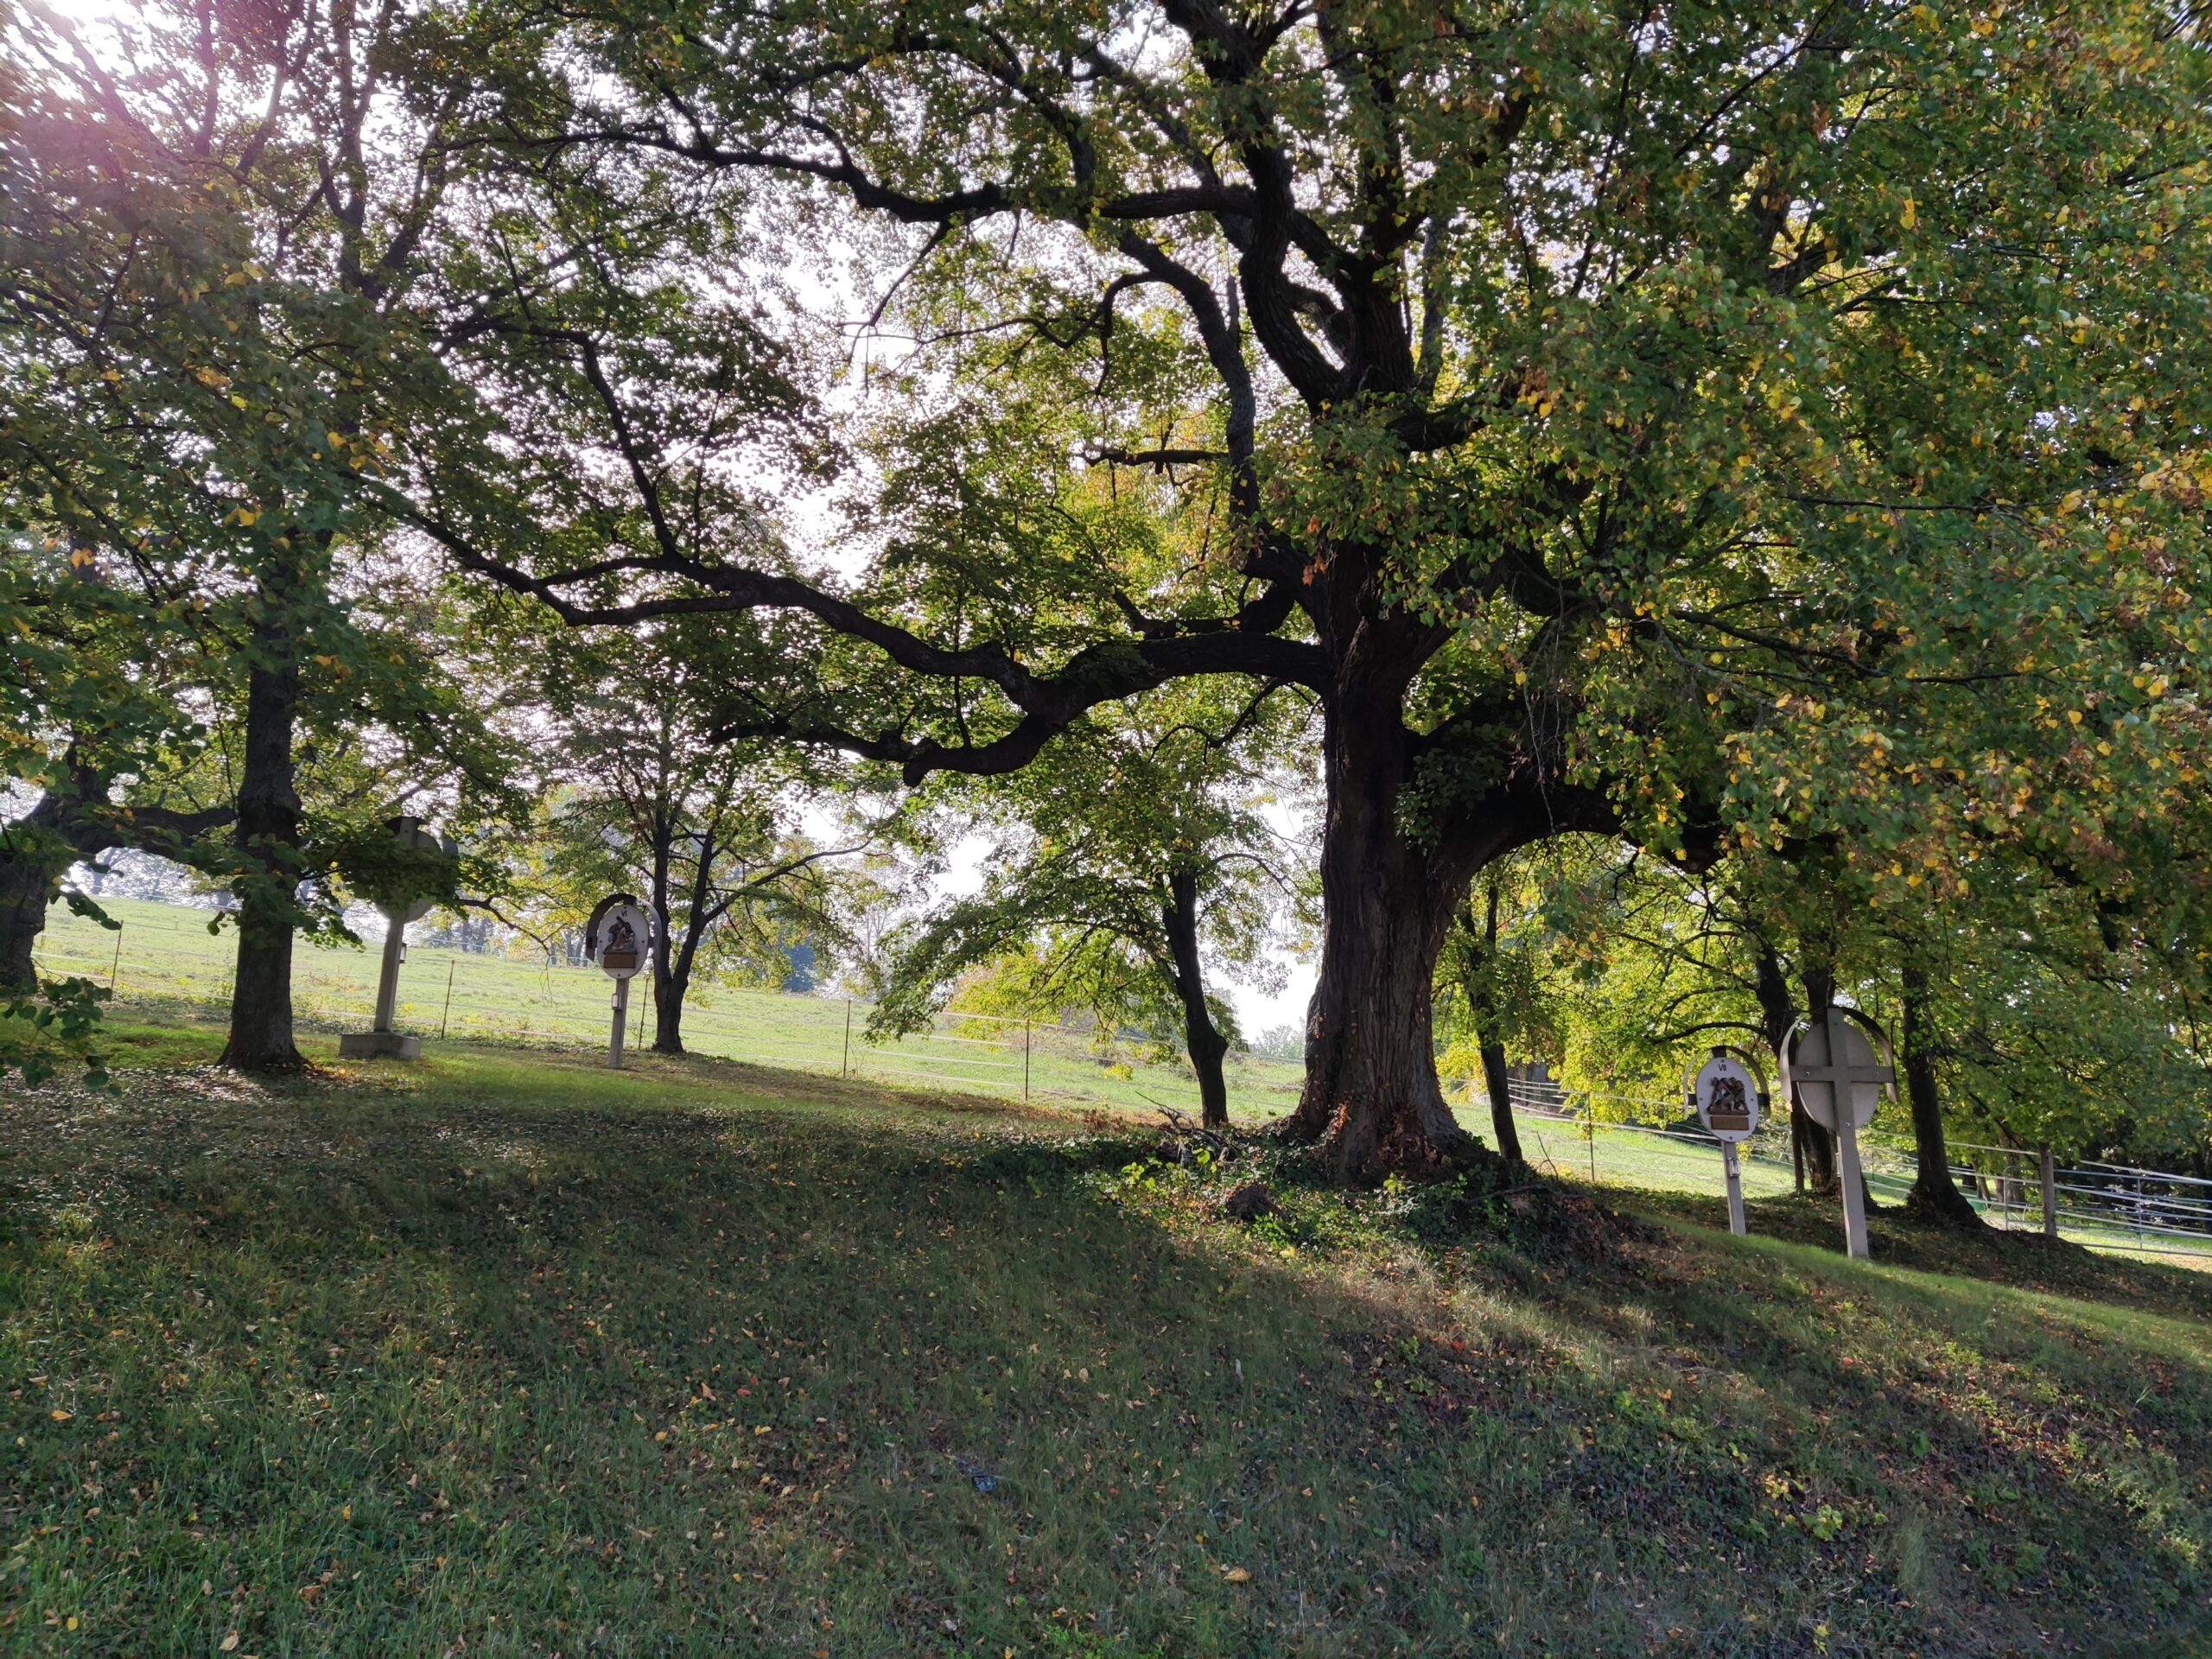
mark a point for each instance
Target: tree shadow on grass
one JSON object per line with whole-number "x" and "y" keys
{"x": 637, "y": 1376}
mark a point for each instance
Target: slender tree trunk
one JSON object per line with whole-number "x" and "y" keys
{"x": 673, "y": 960}
{"x": 671, "y": 979}
{"x": 1178, "y": 916}
{"x": 1499, "y": 1083}
{"x": 1935, "y": 1195}
{"x": 670, "y": 989}
{"x": 1812, "y": 1149}
{"x": 269, "y": 834}
{"x": 1372, "y": 1103}
{"x": 1820, "y": 1152}
{"x": 1482, "y": 1002}
{"x": 1818, "y": 1141}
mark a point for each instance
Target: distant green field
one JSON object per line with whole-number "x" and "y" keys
{"x": 166, "y": 965}
{"x": 165, "y": 959}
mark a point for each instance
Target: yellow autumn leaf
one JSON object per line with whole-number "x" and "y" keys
{"x": 1237, "y": 1575}
{"x": 1910, "y": 214}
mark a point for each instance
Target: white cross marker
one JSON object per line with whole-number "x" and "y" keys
{"x": 1851, "y": 1066}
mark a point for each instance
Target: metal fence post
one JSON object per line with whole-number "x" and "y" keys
{"x": 2050, "y": 1193}
{"x": 845, "y": 1061}
{"x": 1024, "y": 1062}
{"x": 115, "y": 965}
{"x": 445, "y": 1013}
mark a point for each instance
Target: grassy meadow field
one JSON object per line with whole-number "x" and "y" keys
{"x": 167, "y": 967}
{"x": 508, "y": 1354}
{"x": 164, "y": 963}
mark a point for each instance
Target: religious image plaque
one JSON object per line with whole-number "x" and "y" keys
{"x": 619, "y": 940}
{"x": 1729, "y": 1094}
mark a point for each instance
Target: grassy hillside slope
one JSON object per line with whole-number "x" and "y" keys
{"x": 507, "y": 1355}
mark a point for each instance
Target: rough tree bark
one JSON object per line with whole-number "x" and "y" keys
{"x": 1935, "y": 1196}
{"x": 269, "y": 822}
{"x": 35, "y": 852}
{"x": 1371, "y": 1103}
{"x": 1178, "y": 918}
{"x": 671, "y": 985}
{"x": 1498, "y": 1081}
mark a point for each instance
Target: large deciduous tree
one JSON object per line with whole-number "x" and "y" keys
{"x": 1567, "y": 383}
{"x": 231, "y": 224}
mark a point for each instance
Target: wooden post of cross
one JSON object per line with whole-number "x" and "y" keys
{"x": 1844, "y": 1074}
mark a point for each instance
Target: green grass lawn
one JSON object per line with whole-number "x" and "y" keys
{"x": 508, "y": 1354}
{"x": 165, "y": 964}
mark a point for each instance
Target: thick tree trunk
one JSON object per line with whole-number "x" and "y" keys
{"x": 1178, "y": 917}
{"x": 1935, "y": 1195}
{"x": 269, "y": 834}
{"x": 32, "y": 863}
{"x": 1371, "y": 1104}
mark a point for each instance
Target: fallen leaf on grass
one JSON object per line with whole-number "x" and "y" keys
{"x": 1237, "y": 1575}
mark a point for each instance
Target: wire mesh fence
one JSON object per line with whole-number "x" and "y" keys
{"x": 164, "y": 963}
{"x": 1644, "y": 1141}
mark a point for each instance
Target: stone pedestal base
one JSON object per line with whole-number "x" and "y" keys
{"x": 379, "y": 1046}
